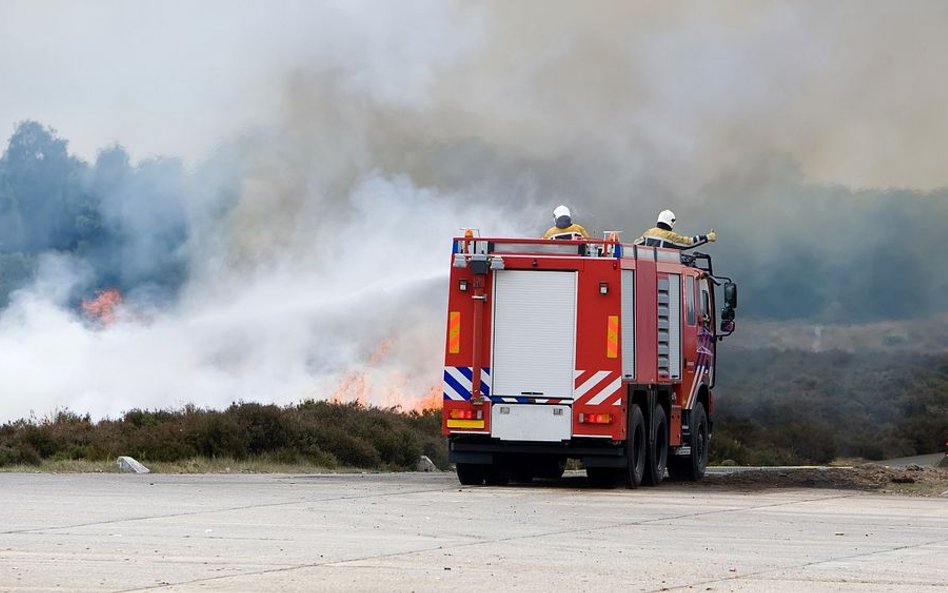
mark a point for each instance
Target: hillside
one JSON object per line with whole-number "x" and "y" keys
{"x": 799, "y": 393}
{"x": 927, "y": 335}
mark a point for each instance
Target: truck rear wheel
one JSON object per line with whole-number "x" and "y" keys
{"x": 657, "y": 456}
{"x": 635, "y": 448}
{"x": 497, "y": 474}
{"x": 693, "y": 467}
{"x": 471, "y": 474}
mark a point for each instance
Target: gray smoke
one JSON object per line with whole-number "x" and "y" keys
{"x": 311, "y": 239}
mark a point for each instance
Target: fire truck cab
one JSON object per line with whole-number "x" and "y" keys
{"x": 587, "y": 349}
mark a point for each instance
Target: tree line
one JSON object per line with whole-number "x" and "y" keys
{"x": 125, "y": 225}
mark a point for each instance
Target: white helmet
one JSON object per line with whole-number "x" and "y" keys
{"x": 562, "y": 217}
{"x": 668, "y": 217}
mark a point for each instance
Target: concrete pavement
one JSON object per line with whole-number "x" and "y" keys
{"x": 423, "y": 532}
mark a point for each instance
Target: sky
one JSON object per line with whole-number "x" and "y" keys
{"x": 370, "y": 131}
{"x": 848, "y": 88}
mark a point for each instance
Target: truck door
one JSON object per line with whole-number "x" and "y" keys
{"x": 706, "y": 324}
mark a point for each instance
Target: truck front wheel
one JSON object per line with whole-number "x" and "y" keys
{"x": 693, "y": 467}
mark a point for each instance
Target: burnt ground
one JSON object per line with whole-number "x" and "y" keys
{"x": 912, "y": 480}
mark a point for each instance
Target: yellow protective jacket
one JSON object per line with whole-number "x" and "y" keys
{"x": 565, "y": 233}
{"x": 659, "y": 237}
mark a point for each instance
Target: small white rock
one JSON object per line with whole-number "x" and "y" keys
{"x": 129, "y": 464}
{"x": 426, "y": 465}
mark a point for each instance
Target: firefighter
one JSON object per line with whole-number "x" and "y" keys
{"x": 661, "y": 235}
{"x": 563, "y": 227}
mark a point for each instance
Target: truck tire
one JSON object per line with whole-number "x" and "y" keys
{"x": 470, "y": 474}
{"x": 497, "y": 474}
{"x": 636, "y": 446}
{"x": 657, "y": 456}
{"x": 692, "y": 468}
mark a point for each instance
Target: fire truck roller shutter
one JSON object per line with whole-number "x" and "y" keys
{"x": 674, "y": 329}
{"x": 628, "y": 323}
{"x": 669, "y": 326}
{"x": 534, "y": 333}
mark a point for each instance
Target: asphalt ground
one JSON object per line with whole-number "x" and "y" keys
{"x": 423, "y": 532}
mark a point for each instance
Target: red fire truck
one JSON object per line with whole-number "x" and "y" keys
{"x": 587, "y": 349}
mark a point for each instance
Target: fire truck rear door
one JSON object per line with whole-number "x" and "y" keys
{"x": 534, "y": 334}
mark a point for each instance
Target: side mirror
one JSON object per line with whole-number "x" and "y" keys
{"x": 727, "y": 322}
{"x": 730, "y": 295}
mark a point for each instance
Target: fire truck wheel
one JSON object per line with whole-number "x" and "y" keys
{"x": 497, "y": 474}
{"x": 657, "y": 457}
{"x": 471, "y": 474}
{"x": 693, "y": 467}
{"x": 635, "y": 450}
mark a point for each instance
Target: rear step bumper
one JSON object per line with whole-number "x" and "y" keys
{"x": 593, "y": 454}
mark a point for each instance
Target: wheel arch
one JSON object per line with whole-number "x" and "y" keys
{"x": 706, "y": 398}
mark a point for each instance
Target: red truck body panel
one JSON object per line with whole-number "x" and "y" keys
{"x": 668, "y": 354}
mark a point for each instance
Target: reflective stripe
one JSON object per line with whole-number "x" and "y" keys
{"x": 597, "y": 377}
{"x": 607, "y": 392}
{"x": 457, "y": 382}
{"x": 612, "y": 337}
{"x": 454, "y": 332}
{"x": 599, "y": 387}
{"x": 454, "y": 389}
{"x": 465, "y": 423}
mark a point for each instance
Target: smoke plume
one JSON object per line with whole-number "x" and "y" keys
{"x": 331, "y": 150}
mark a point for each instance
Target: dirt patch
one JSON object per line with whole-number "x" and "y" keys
{"x": 911, "y": 480}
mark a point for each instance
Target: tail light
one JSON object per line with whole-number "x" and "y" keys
{"x": 460, "y": 418}
{"x": 457, "y": 414}
{"x": 595, "y": 418}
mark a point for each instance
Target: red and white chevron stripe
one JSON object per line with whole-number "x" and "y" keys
{"x": 597, "y": 387}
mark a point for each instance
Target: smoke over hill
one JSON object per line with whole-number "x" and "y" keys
{"x": 304, "y": 255}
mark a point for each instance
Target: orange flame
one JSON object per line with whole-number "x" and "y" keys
{"x": 431, "y": 400}
{"x": 352, "y": 388}
{"x": 381, "y": 350}
{"x": 357, "y": 386}
{"x": 102, "y": 307}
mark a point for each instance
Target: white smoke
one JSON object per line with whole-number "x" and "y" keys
{"x": 288, "y": 332}
{"x": 336, "y": 147}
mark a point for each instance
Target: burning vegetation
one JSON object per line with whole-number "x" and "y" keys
{"x": 102, "y": 309}
{"x": 373, "y": 383}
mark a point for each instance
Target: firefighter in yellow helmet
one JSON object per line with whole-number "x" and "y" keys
{"x": 563, "y": 227}
{"x": 661, "y": 235}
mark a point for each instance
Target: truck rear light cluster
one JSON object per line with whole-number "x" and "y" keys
{"x": 595, "y": 418}
{"x": 466, "y": 414}
{"x": 466, "y": 419}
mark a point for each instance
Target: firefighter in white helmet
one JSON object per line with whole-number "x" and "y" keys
{"x": 661, "y": 235}
{"x": 563, "y": 227}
